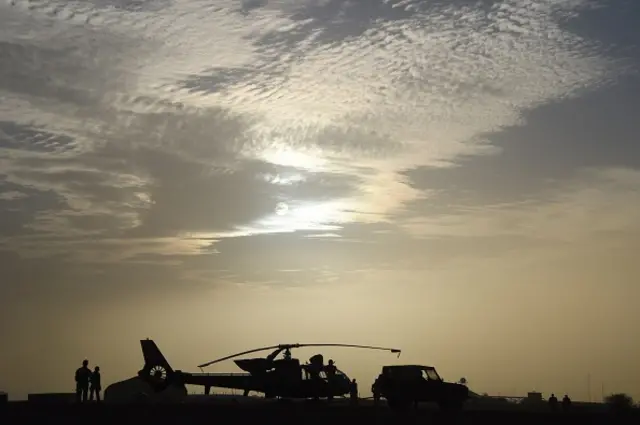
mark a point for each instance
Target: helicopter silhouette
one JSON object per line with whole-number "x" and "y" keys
{"x": 282, "y": 378}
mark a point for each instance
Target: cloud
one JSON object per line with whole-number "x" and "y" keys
{"x": 153, "y": 196}
{"x": 168, "y": 126}
{"x": 596, "y": 203}
{"x": 473, "y": 78}
{"x": 10, "y": 196}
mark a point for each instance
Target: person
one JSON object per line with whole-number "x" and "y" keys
{"x": 95, "y": 384}
{"x": 314, "y": 368}
{"x": 330, "y": 369}
{"x": 375, "y": 389}
{"x": 353, "y": 392}
{"x": 553, "y": 402}
{"x": 566, "y": 402}
{"x": 83, "y": 374}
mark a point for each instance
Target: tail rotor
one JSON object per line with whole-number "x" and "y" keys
{"x": 156, "y": 371}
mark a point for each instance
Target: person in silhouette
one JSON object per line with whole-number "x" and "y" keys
{"x": 95, "y": 387}
{"x": 330, "y": 369}
{"x": 566, "y": 402}
{"x": 553, "y": 402}
{"x": 83, "y": 375}
{"x": 314, "y": 368}
{"x": 375, "y": 389}
{"x": 316, "y": 365}
{"x": 353, "y": 392}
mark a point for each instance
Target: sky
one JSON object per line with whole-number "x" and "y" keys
{"x": 458, "y": 179}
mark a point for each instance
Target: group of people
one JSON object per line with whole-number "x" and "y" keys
{"x": 87, "y": 383}
{"x": 553, "y": 402}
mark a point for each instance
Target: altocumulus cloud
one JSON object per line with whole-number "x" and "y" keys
{"x": 160, "y": 127}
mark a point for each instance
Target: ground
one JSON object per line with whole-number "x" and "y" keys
{"x": 298, "y": 413}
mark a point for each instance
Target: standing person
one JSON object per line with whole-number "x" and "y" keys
{"x": 95, "y": 384}
{"x": 353, "y": 392}
{"x": 553, "y": 402}
{"x": 375, "y": 389}
{"x": 83, "y": 375}
{"x": 330, "y": 369}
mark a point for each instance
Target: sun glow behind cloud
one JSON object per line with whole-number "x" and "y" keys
{"x": 295, "y": 216}
{"x": 308, "y": 216}
{"x": 311, "y": 160}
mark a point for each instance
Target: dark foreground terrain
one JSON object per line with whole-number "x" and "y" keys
{"x": 187, "y": 414}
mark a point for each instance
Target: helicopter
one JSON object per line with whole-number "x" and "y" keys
{"x": 275, "y": 378}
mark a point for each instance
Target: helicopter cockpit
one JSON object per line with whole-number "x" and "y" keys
{"x": 339, "y": 377}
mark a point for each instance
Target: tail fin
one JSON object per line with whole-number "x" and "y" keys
{"x": 153, "y": 358}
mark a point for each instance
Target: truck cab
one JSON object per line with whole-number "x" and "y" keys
{"x": 404, "y": 385}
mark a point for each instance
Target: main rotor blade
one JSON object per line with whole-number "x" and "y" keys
{"x": 255, "y": 350}
{"x": 368, "y": 347}
{"x": 285, "y": 346}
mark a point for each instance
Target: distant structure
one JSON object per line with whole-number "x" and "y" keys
{"x": 533, "y": 400}
{"x": 534, "y": 396}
